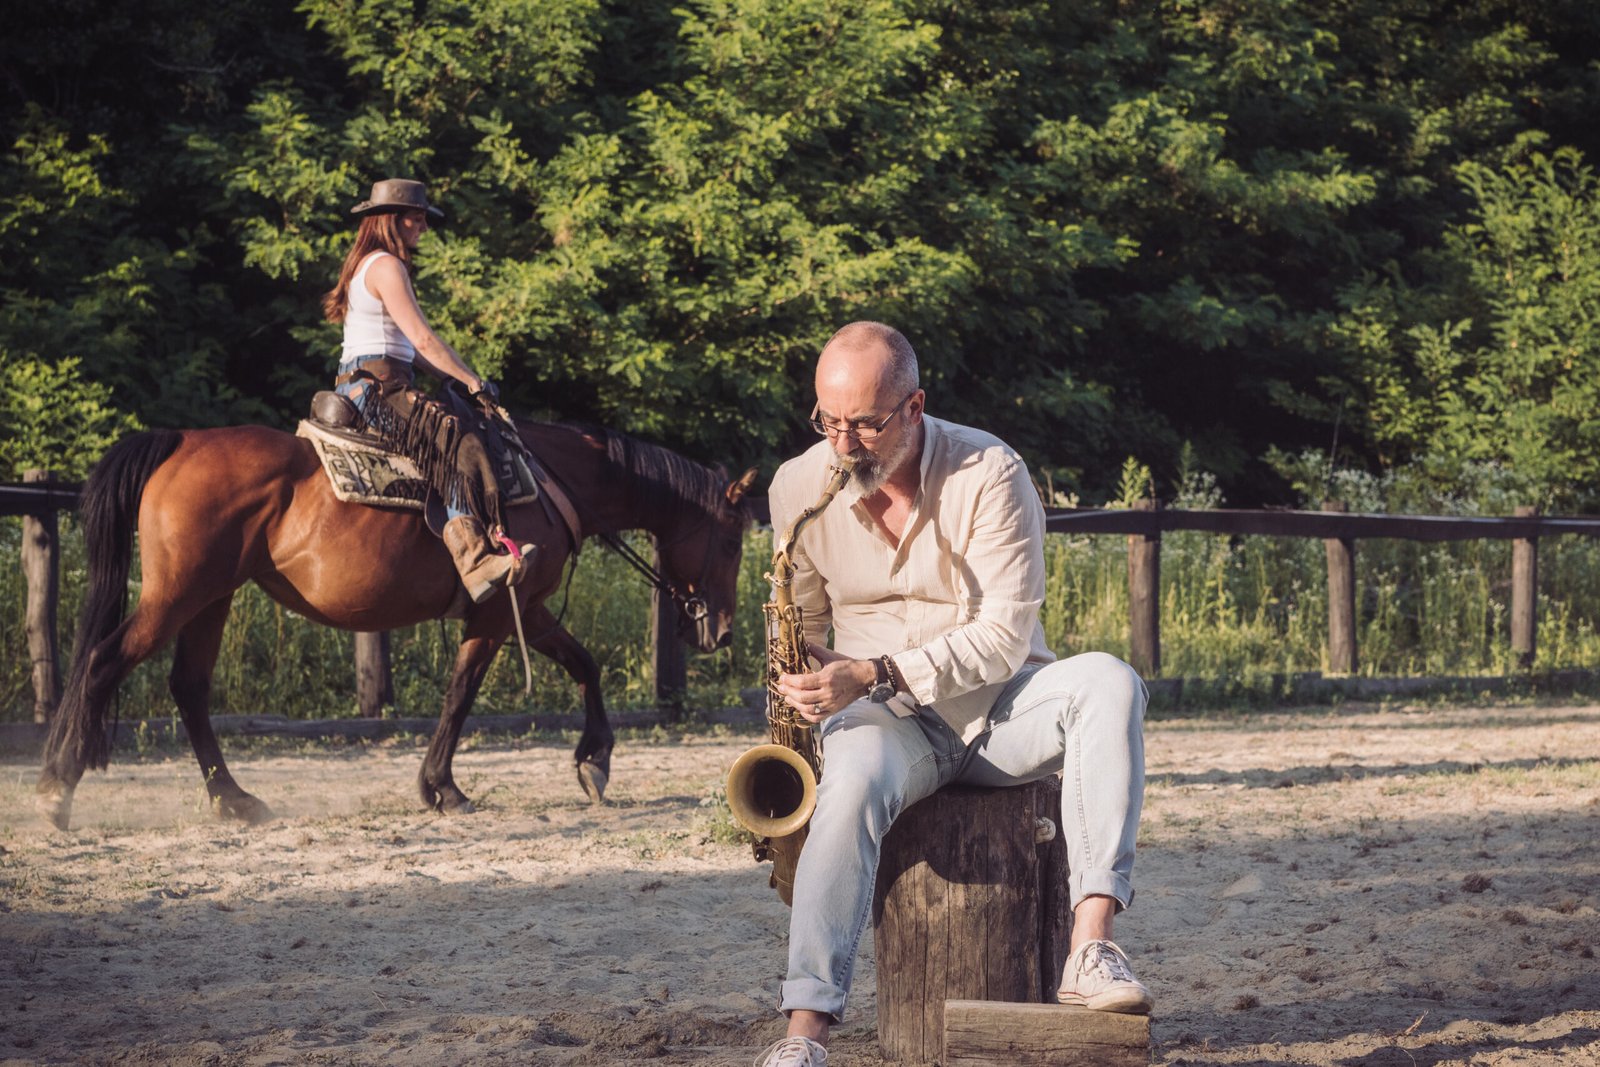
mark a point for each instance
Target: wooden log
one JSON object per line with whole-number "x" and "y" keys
{"x": 374, "y": 675}
{"x": 667, "y": 659}
{"x": 967, "y": 906}
{"x": 1144, "y": 598}
{"x": 1524, "y": 594}
{"x": 41, "y": 570}
{"x": 1341, "y": 599}
{"x": 982, "y": 1034}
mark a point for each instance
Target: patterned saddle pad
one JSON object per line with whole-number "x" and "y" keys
{"x": 363, "y": 472}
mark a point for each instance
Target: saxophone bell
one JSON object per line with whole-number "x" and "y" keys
{"x": 772, "y": 790}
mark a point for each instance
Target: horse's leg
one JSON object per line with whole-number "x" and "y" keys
{"x": 193, "y": 660}
{"x": 436, "y": 781}
{"x": 593, "y": 754}
{"x": 138, "y": 637}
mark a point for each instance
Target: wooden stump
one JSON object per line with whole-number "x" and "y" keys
{"x": 967, "y": 907}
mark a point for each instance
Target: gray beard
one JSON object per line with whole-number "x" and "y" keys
{"x": 869, "y": 474}
{"x": 872, "y": 471}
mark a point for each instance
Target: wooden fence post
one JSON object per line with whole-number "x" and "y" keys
{"x": 41, "y": 569}
{"x": 1144, "y": 597}
{"x": 374, "y": 676}
{"x": 1524, "y": 593}
{"x": 667, "y": 657}
{"x": 1341, "y": 598}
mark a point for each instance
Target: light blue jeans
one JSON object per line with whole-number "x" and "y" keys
{"x": 1082, "y": 716}
{"x": 362, "y": 392}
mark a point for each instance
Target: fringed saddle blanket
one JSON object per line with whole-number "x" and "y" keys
{"x": 363, "y": 473}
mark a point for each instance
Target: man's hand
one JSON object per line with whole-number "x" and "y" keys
{"x": 838, "y": 683}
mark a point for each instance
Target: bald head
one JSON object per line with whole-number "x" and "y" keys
{"x": 867, "y": 377}
{"x": 869, "y": 357}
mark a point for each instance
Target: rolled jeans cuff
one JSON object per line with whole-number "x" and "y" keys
{"x": 1100, "y": 883}
{"x": 809, "y": 994}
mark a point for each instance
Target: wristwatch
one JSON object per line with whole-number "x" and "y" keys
{"x": 883, "y": 688}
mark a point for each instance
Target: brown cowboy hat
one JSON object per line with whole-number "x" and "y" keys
{"x": 397, "y": 194}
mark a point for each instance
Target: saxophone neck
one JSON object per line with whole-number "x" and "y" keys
{"x": 782, "y": 574}
{"x": 838, "y": 474}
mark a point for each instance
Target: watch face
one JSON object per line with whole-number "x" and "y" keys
{"x": 881, "y": 693}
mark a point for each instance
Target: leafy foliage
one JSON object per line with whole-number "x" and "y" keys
{"x": 1110, "y": 229}
{"x": 1516, "y": 379}
{"x": 53, "y": 420}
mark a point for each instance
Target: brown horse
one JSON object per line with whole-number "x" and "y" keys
{"x": 215, "y": 509}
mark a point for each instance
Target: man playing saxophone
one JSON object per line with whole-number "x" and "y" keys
{"x": 929, "y": 568}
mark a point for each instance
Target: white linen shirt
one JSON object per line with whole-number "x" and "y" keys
{"x": 956, "y": 605}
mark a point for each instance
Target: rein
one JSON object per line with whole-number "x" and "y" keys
{"x": 694, "y": 607}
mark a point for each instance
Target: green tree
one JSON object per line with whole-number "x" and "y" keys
{"x": 1109, "y": 228}
{"x": 52, "y": 419}
{"x": 1500, "y": 362}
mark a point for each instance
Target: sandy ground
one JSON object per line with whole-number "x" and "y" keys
{"x": 1361, "y": 886}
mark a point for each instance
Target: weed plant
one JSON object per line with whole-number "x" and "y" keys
{"x": 1240, "y": 613}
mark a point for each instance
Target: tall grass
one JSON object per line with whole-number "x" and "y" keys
{"x": 1233, "y": 610}
{"x": 273, "y": 661}
{"x": 1248, "y": 608}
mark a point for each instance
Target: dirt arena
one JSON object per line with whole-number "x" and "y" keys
{"x": 1349, "y": 887}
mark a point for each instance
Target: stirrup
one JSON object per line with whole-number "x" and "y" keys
{"x": 522, "y": 554}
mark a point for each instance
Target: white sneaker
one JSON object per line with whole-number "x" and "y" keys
{"x": 793, "y": 1052}
{"x": 1099, "y": 976}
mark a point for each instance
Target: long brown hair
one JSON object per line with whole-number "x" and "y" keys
{"x": 378, "y": 233}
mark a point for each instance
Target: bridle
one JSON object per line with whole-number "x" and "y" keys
{"x": 694, "y": 606}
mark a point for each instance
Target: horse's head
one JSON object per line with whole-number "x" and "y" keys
{"x": 702, "y": 561}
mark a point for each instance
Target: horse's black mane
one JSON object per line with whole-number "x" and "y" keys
{"x": 663, "y": 480}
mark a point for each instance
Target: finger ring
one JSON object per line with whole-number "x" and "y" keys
{"x": 816, "y": 709}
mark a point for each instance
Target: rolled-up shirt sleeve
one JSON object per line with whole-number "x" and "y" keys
{"x": 1000, "y": 576}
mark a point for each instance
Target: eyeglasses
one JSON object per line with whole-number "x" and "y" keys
{"x": 861, "y": 431}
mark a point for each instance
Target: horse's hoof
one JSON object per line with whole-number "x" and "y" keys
{"x": 446, "y": 802}
{"x": 593, "y": 778}
{"x": 243, "y": 808}
{"x": 54, "y": 802}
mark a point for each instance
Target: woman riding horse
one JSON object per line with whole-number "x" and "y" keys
{"x": 203, "y": 531}
{"x": 385, "y": 335}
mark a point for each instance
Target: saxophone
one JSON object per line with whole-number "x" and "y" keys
{"x": 772, "y": 788}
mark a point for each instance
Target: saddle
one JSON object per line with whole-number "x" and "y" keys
{"x": 362, "y": 470}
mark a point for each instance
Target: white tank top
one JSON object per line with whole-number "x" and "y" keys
{"x": 368, "y": 329}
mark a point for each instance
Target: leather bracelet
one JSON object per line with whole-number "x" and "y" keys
{"x": 894, "y": 675}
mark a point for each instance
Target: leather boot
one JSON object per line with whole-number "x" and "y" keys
{"x": 482, "y": 569}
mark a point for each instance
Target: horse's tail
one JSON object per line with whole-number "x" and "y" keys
{"x": 108, "y": 511}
